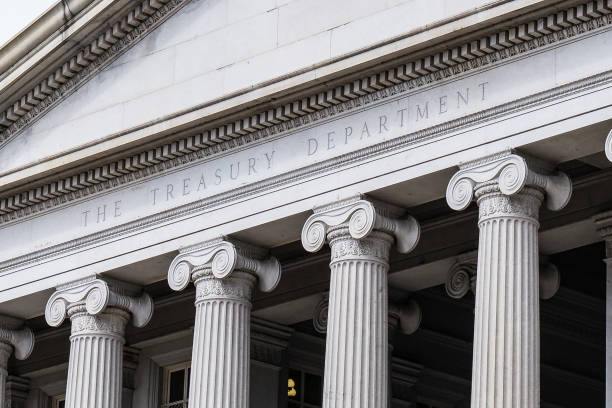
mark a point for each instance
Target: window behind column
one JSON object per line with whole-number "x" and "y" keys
{"x": 308, "y": 389}
{"x": 176, "y": 385}
{"x": 59, "y": 401}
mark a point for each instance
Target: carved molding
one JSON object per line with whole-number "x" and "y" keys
{"x": 95, "y": 295}
{"x": 361, "y": 217}
{"x": 222, "y": 257}
{"x": 13, "y": 333}
{"x": 406, "y": 316}
{"x": 450, "y": 63}
{"x": 509, "y": 174}
{"x": 81, "y": 67}
{"x": 608, "y": 147}
{"x": 462, "y": 278}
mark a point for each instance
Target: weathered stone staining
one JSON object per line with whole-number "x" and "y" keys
{"x": 99, "y": 310}
{"x": 14, "y": 339}
{"x": 225, "y": 273}
{"x": 508, "y": 190}
{"x": 360, "y": 234}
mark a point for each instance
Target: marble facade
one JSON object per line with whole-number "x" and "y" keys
{"x": 160, "y": 153}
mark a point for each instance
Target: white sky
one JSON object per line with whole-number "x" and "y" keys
{"x": 17, "y": 14}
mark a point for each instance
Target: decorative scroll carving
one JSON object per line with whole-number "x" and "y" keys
{"x": 362, "y": 218}
{"x": 508, "y": 173}
{"x": 20, "y": 337}
{"x": 406, "y": 316}
{"x": 550, "y": 280}
{"x": 461, "y": 277}
{"x": 223, "y": 256}
{"x": 319, "y": 314}
{"x": 96, "y": 295}
{"x": 608, "y": 147}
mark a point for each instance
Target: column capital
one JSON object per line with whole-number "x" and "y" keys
{"x": 608, "y": 148}
{"x": 462, "y": 277}
{"x": 222, "y": 256}
{"x": 508, "y": 173}
{"x": 362, "y": 216}
{"x": 406, "y": 315}
{"x": 16, "y": 335}
{"x": 96, "y": 294}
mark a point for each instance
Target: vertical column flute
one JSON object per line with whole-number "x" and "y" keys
{"x": 360, "y": 234}
{"x": 509, "y": 191}
{"x": 225, "y": 273}
{"x": 98, "y": 309}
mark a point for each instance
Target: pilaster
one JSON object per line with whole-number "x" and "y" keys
{"x": 360, "y": 233}
{"x": 99, "y": 309}
{"x": 225, "y": 273}
{"x": 509, "y": 190}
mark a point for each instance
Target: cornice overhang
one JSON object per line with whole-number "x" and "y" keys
{"x": 64, "y": 48}
{"x": 548, "y": 30}
{"x": 23, "y": 110}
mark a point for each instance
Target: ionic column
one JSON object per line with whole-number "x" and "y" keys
{"x": 508, "y": 190}
{"x": 604, "y": 226}
{"x": 14, "y": 338}
{"x": 99, "y": 310}
{"x": 224, "y": 273}
{"x": 360, "y": 235}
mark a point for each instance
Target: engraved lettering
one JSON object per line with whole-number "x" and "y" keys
{"x": 382, "y": 123}
{"x": 424, "y": 114}
{"x": 313, "y": 145}
{"x": 186, "y": 182}
{"x": 202, "y": 183}
{"x": 482, "y": 86}
{"x": 154, "y": 191}
{"x": 443, "y": 107}
{"x": 85, "y": 213}
{"x": 465, "y": 98}
{"x": 232, "y": 176}
{"x": 401, "y": 115}
{"x": 169, "y": 189}
{"x": 218, "y": 176}
{"x": 347, "y": 132}
{"x": 269, "y": 158}
{"x": 252, "y": 166}
{"x": 101, "y": 214}
{"x": 117, "y": 208}
{"x": 364, "y": 131}
{"x": 330, "y": 141}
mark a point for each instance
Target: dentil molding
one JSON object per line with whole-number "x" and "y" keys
{"x": 513, "y": 42}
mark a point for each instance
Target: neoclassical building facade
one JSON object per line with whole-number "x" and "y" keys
{"x": 307, "y": 203}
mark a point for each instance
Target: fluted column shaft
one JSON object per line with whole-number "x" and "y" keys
{"x": 356, "y": 354}
{"x": 96, "y": 358}
{"x": 506, "y": 361}
{"x": 99, "y": 309}
{"x": 221, "y": 343}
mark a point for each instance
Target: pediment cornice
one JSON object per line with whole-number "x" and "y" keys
{"x": 514, "y": 42}
{"x": 112, "y": 40}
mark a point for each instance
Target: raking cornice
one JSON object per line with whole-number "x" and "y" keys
{"x": 486, "y": 51}
{"x": 78, "y": 69}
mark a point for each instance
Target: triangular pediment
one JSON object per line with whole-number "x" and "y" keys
{"x": 161, "y": 69}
